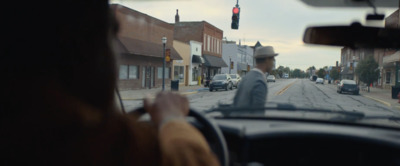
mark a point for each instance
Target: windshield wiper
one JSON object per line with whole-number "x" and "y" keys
{"x": 229, "y": 110}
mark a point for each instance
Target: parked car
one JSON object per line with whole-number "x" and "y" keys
{"x": 271, "y": 78}
{"x": 221, "y": 81}
{"x": 319, "y": 81}
{"x": 348, "y": 86}
{"x": 235, "y": 79}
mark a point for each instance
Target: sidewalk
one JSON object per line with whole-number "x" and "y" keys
{"x": 383, "y": 96}
{"x": 142, "y": 93}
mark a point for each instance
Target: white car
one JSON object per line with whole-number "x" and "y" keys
{"x": 235, "y": 78}
{"x": 319, "y": 81}
{"x": 271, "y": 78}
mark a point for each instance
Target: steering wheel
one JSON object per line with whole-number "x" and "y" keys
{"x": 213, "y": 132}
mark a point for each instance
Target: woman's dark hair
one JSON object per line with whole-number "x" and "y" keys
{"x": 64, "y": 42}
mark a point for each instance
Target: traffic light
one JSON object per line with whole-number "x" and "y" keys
{"x": 235, "y": 17}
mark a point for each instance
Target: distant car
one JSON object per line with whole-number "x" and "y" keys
{"x": 348, "y": 86}
{"x": 235, "y": 79}
{"x": 221, "y": 81}
{"x": 319, "y": 81}
{"x": 271, "y": 78}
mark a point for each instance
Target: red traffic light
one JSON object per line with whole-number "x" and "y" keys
{"x": 235, "y": 10}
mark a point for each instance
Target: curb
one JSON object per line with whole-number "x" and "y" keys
{"x": 380, "y": 101}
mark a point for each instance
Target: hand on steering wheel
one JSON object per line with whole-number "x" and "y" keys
{"x": 174, "y": 106}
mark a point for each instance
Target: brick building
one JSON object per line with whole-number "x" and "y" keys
{"x": 349, "y": 60}
{"x": 140, "y": 49}
{"x": 211, "y": 39}
{"x": 389, "y": 59}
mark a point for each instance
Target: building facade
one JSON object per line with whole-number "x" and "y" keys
{"x": 349, "y": 60}
{"x": 239, "y": 56}
{"x": 140, "y": 49}
{"x": 181, "y": 68}
{"x": 229, "y": 55}
{"x": 211, "y": 39}
{"x": 390, "y": 57}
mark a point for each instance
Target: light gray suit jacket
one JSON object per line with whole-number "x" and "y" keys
{"x": 252, "y": 91}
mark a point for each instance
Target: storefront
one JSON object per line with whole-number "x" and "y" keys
{"x": 212, "y": 65}
{"x": 390, "y": 63}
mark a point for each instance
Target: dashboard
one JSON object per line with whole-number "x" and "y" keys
{"x": 279, "y": 142}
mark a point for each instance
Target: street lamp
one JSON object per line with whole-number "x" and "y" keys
{"x": 164, "y": 41}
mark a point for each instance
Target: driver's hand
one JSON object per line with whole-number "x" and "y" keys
{"x": 167, "y": 106}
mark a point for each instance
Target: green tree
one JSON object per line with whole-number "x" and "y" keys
{"x": 367, "y": 71}
{"x": 321, "y": 73}
{"x": 334, "y": 74}
{"x": 280, "y": 71}
{"x": 297, "y": 73}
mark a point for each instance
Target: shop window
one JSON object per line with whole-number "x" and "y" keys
{"x": 179, "y": 73}
{"x": 133, "y": 72}
{"x": 123, "y": 72}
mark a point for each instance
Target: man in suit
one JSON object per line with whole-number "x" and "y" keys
{"x": 252, "y": 91}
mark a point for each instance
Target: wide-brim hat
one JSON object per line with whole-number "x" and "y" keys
{"x": 265, "y": 52}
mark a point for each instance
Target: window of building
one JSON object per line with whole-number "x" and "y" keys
{"x": 133, "y": 72}
{"x": 217, "y": 47}
{"x": 159, "y": 72}
{"x": 123, "y": 72}
{"x": 208, "y": 43}
{"x": 194, "y": 74}
{"x": 205, "y": 42}
{"x": 179, "y": 73}
{"x": 388, "y": 77}
{"x": 398, "y": 75}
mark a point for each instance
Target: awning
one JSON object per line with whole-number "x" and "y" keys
{"x": 197, "y": 59}
{"x": 213, "y": 61}
{"x": 391, "y": 58}
{"x": 144, "y": 48}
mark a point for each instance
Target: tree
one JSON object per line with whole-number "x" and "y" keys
{"x": 367, "y": 71}
{"x": 296, "y": 73}
{"x": 280, "y": 71}
{"x": 334, "y": 74}
{"x": 321, "y": 73}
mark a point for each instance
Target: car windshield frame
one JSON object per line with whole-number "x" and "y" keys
{"x": 233, "y": 76}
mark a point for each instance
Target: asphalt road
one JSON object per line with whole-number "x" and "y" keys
{"x": 299, "y": 92}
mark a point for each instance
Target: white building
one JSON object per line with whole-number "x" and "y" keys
{"x": 196, "y": 60}
{"x": 241, "y": 57}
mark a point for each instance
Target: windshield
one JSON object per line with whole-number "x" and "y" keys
{"x": 197, "y": 51}
{"x": 219, "y": 77}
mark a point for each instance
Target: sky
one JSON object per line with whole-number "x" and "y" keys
{"x": 277, "y": 23}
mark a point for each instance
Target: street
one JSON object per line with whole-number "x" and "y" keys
{"x": 299, "y": 92}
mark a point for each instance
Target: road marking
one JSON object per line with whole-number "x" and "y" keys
{"x": 380, "y": 101}
{"x": 285, "y": 88}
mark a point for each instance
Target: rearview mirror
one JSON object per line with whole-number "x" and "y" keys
{"x": 354, "y": 36}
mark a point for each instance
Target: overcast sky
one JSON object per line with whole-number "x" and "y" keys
{"x": 278, "y": 23}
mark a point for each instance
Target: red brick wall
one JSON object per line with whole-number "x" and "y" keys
{"x": 136, "y": 25}
{"x": 212, "y": 31}
{"x": 186, "y": 31}
{"x": 142, "y": 61}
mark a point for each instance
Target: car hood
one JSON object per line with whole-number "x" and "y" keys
{"x": 288, "y": 111}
